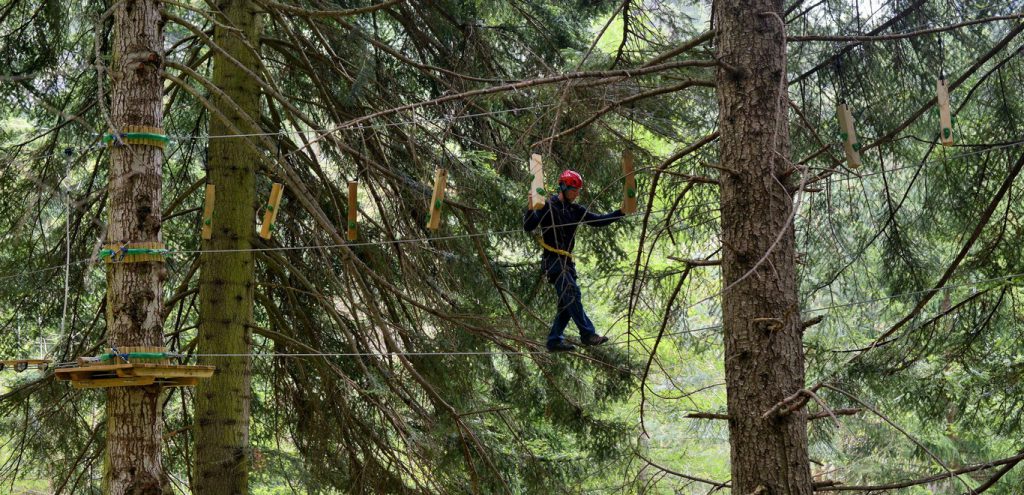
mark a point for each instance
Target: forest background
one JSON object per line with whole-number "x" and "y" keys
{"x": 429, "y": 374}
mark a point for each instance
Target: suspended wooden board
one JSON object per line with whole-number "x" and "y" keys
{"x": 353, "y": 210}
{"x": 629, "y": 190}
{"x": 537, "y": 195}
{"x": 211, "y": 192}
{"x": 133, "y": 375}
{"x": 945, "y": 119}
{"x": 270, "y": 215}
{"x": 849, "y": 135}
{"x": 437, "y": 199}
{"x": 20, "y": 365}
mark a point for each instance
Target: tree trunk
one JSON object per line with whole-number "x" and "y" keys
{"x": 764, "y": 360}
{"x": 226, "y": 280}
{"x": 135, "y": 290}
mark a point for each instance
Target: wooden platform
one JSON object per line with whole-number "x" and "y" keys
{"x": 133, "y": 375}
{"x": 20, "y": 365}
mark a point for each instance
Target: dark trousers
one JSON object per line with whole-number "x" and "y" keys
{"x": 561, "y": 273}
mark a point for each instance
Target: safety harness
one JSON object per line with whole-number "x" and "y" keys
{"x": 540, "y": 240}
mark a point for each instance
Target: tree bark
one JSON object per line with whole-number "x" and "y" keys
{"x": 134, "y": 290}
{"x": 764, "y": 360}
{"x": 226, "y": 280}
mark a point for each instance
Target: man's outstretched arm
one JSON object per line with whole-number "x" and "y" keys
{"x": 595, "y": 220}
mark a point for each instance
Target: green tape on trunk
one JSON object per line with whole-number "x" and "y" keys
{"x": 138, "y": 138}
{"x": 137, "y": 355}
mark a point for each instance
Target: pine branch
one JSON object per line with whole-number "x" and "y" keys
{"x": 951, "y": 269}
{"x": 900, "y": 36}
{"x": 1007, "y": 463}
{"x": 330, "y": 14}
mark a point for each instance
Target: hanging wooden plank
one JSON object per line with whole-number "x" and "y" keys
{"x": 440, "y": 179}
{"x": 353, "y": 210}
{"x": 945, "y": 120}
{"x": 207, "y": 231}
{"x": 629, "y": 190}
{"x": 538, "y": 195}
{"x": 270, "y": 215}
{"x": 849, "y": 135}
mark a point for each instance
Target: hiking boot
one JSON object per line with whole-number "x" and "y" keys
{"x": 594, "y": 339}
{"x": 561, "y": 346}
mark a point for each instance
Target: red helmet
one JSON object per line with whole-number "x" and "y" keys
{"x": 571, "y": 179}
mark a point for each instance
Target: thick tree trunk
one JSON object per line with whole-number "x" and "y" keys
{"x": 764, "y": 360}
{"x": 226, "y": 280}
{"x": 135, "y": 290}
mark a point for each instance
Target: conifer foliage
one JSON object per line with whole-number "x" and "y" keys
{"x": 799, "y": 305}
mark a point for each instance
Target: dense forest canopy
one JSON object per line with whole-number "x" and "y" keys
{"x": 412, "y": 360}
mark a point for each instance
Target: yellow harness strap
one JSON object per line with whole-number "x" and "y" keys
{"x": 540, "y": 240}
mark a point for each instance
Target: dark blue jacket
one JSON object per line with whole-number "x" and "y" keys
{"x": 558, "y": 221}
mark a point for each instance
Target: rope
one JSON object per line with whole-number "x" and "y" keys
{"x": 919, "y": 292}
{"x": 68, "y": 153}
{"x": 12, "y": 275}
{"x": 494, "y": 353}
{"x": 72, "y": 364}
{"x": 172, "y": 252}
{"x": 359, "y": 126}
{"x": 303, "y": 355}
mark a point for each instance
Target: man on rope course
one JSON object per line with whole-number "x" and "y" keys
{"x": 558, "y": 220}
